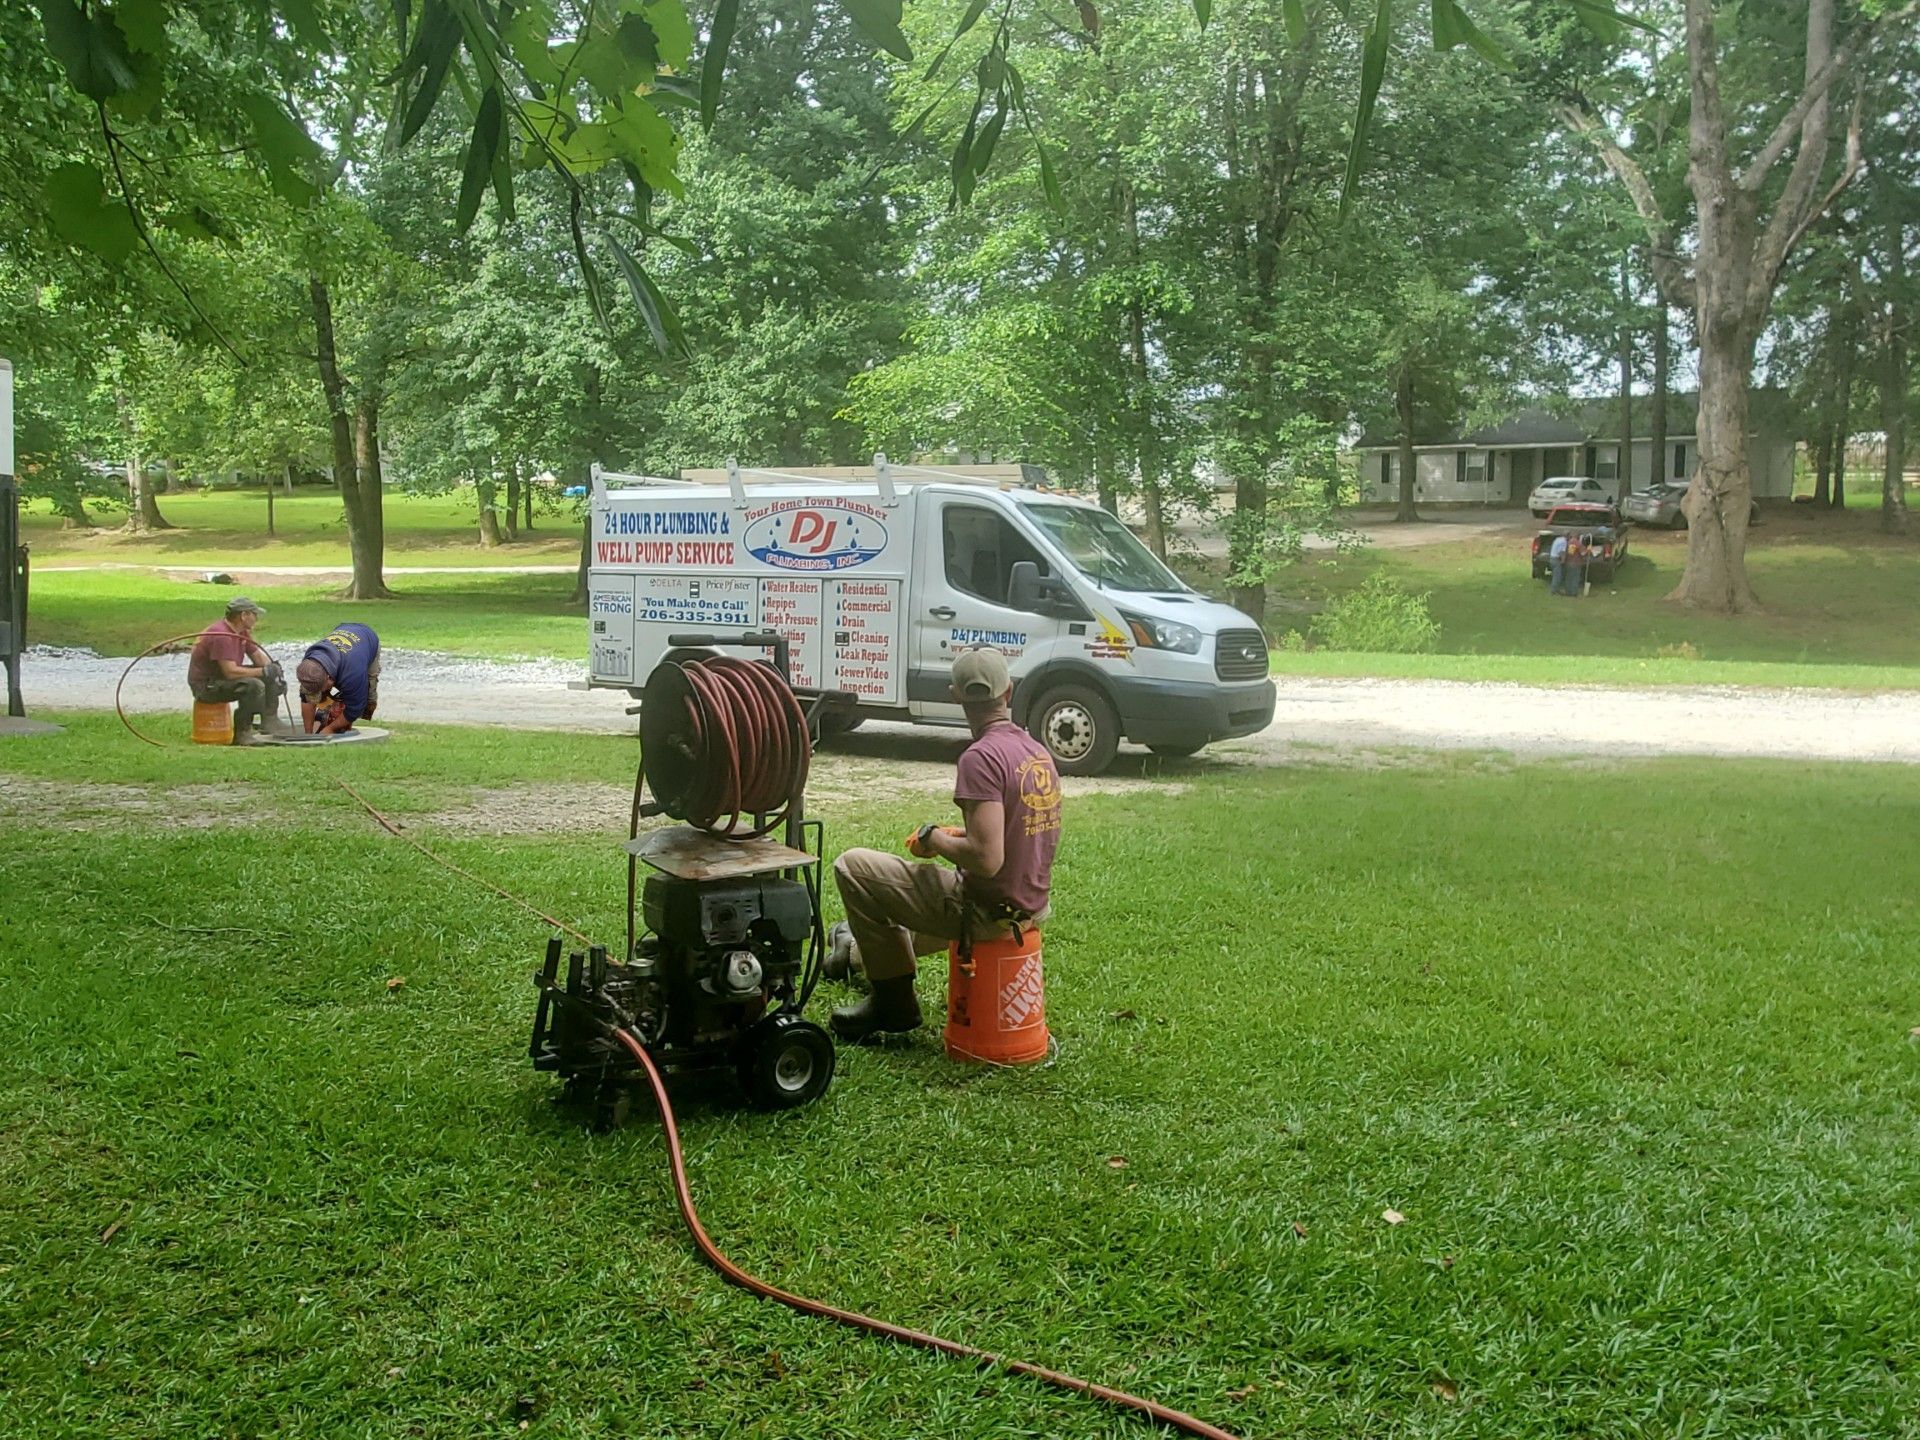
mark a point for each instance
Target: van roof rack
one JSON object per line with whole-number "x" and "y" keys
{"x": 883, "y": 473}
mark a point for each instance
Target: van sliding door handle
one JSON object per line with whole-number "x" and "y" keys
{"x": 941, "y": 612}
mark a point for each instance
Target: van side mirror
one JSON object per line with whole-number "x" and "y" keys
{"x": 1037, "y": 594}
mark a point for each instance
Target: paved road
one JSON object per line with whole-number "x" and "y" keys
{"x": 1313, "y": 717}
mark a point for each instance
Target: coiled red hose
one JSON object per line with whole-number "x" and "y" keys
{"x": 724, "y": 743}
{"x": 713, "y": 1255}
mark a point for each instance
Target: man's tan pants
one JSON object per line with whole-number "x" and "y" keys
{"x": 899, "y": 909}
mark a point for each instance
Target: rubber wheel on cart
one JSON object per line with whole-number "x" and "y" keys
{"x": 832, "y": 728}
{"x": 1185, "y": 750}
{"x": 786, "y": 1062}
{"x": 1079, "y": 728}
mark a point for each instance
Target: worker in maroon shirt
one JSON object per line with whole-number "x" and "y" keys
{"x": 227, "y": 664}
{"x": 1008, "y": 792}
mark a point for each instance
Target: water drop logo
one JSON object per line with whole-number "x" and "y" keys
{"x": 822, "y": 537}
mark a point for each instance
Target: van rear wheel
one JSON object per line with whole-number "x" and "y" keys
{"x": 1079, "y": 728}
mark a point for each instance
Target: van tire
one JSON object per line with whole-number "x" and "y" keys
{"x": 1079, "y": 727}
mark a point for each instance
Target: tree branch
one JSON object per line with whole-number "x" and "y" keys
{"x": 1768, "y": 268}
{"x": 1669, "y": 269}
{"x": 1817, "y": 86}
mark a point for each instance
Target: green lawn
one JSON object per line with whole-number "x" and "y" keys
{"x": 121, "y": 613}
{"x": 1837, "y": 605}
{"x": 228, "y": 528}
{"x": 1652, "y": 1128}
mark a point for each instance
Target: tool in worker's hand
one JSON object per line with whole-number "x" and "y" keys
{"x": 917, "y": 842}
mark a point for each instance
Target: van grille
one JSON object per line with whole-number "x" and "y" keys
{"x": 1240, "y": 655}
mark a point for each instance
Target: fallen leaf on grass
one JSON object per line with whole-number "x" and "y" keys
{"x": 1116, "y": 1162}
{"x": 1242, "y": 1392}
{"x": 394, "y": 982}
{"x": 1126, "y": 1015}
{"x": 106, "y": 1235}
{"x": 394, "y": 1372}
{"x": 1393, "y": 1217}
{"x": 1445, "y": 1389}
{"x": 1446, "y": 1262}
{"x": 1299, "y": 1229}
{"x": 1914, "y": 1034}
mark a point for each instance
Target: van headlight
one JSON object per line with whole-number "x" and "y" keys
{"x": 1163, "y": 634}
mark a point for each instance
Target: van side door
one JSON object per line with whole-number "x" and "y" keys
{"x": 967, "y": 549}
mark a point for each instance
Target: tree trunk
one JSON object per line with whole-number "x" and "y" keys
{"x": 1624, "y": 469}
{"x": 1840, "y": 418}
{"x": 1822, "y": 462}
{"x": 1104, "y": 488}
{"x": 512, "y": 516}
{"x": 526, "y": 496}
{"x": 1657, "y": 423}
{"x": 1146, "y": 446}
{"x": 72, "y": 508}
{"x": 1717, "y": 501}
{"x": 353, "y": 440}
{"x": 1403, "y": 404}
{"x": 368, "y": 541}
{"x": 579, "y": 596}
{"x": 143, "y": 513}
{"x": 1893, "y": 388}
{"x": 269, "y": 507}
{"x": 483, "y": 486}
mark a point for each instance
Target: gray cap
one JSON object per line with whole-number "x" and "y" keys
{"x": 240, "y": 603}
{"x": 980, "y": 674}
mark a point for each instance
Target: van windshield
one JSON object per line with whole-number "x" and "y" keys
{"x": 1101, "y": 547}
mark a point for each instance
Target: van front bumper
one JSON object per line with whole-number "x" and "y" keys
{"x": 1180, "y": 712}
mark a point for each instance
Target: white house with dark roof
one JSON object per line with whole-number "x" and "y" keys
{"x": 1499, "y": 464}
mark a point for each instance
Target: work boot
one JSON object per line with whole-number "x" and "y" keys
{"x": 890, "y": 1009}
{"x": 842, "y": 959}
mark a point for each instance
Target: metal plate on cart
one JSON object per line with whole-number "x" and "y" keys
{"x": 689, "y": 854}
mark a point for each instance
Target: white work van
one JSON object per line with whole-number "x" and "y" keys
{"x": 878, "y": 578}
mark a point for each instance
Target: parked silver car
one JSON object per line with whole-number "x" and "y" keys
{"x": 1660, "y": 505}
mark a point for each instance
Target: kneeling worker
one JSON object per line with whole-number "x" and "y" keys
{"x": 1009, "y": 794}
{"x": 339, "y": 680}
{"x": 227, "y": 664}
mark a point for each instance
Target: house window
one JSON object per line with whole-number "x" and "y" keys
{"x": 1473, "y": 470}
{"x": 1606, "y": 462}
{"x": 981, "y": 551}
{"x": 1680, "y": 462}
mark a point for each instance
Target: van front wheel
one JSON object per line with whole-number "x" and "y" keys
{"x": 1078, "y": 727}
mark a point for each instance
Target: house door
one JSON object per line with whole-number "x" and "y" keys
{"x": 1522, "y": 477}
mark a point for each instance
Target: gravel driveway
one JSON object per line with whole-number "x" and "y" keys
{"x": 1314, "y": 717}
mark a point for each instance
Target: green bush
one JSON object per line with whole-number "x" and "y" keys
{"x": 1379, "y": 618}
{"x": 1293, "y": 643}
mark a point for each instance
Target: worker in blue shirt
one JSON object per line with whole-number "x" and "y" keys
{"x": 339, "y": 679}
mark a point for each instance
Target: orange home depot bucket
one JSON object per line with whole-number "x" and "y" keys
{"x": 212, "y": 722}
{"x": 996, "y": 1008}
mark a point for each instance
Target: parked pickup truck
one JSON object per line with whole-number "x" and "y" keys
{"x": 1601, "y": 524}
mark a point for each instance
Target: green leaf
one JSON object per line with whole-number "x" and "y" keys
{"x": 482, "y": 150}
{"x": 1048, "y": 183}
{"x": 144, "y": 24}
{"x": 1373, "y": 68}
{"x": 439, "y": 39}
{"x": 1452, "y": 26}
{"x": 1295, "y": 12}
{"x": 672, "y": 32}
{"x": 90, "y": 49}
{"x": 639, "y": 49}
{"x": 640, "y": 135}
{"x": 713, "y": 65}
{"x": 527, "y": 36}
{"x": 662, "y": 323}
{"x": 1203, "y": 12}
{"x": 286, "y": 150}
{"x": 77, "y": 204}
{"x": 967, "y": 22}
{"x": 879, "y": 21}
{"x": 303, "y": 19}
{"x": 982, "y": 155}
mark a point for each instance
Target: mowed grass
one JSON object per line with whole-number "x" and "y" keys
{"x": 228, "y": 528}
{"x": 1837, "y": 604}
{"x": 121, "y": 612}
{"x": 1641, "y": 1086}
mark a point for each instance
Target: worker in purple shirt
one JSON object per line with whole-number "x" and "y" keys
{"x": 1008, "y": 792}
{"x": 339, "y": 679}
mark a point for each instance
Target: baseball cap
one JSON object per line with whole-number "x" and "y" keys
{"x": 241, "y": 603}
{"x": 980, "y": 674}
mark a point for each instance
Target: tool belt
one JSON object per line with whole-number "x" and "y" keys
{"x": 998, "y": 911}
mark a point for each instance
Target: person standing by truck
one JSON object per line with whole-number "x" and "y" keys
{"x": 339, "y": 679}
{"x": 1008, "y": 792}
{"x": 1579, "y": 552}
{"x": 1557, "y": 563}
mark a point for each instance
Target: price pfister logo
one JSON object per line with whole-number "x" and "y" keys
{"x": 817, "y": 536}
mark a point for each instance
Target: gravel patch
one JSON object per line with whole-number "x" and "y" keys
{"x": 64, "y": 805}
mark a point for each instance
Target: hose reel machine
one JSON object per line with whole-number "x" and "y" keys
{"x": 728, "y": 941}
